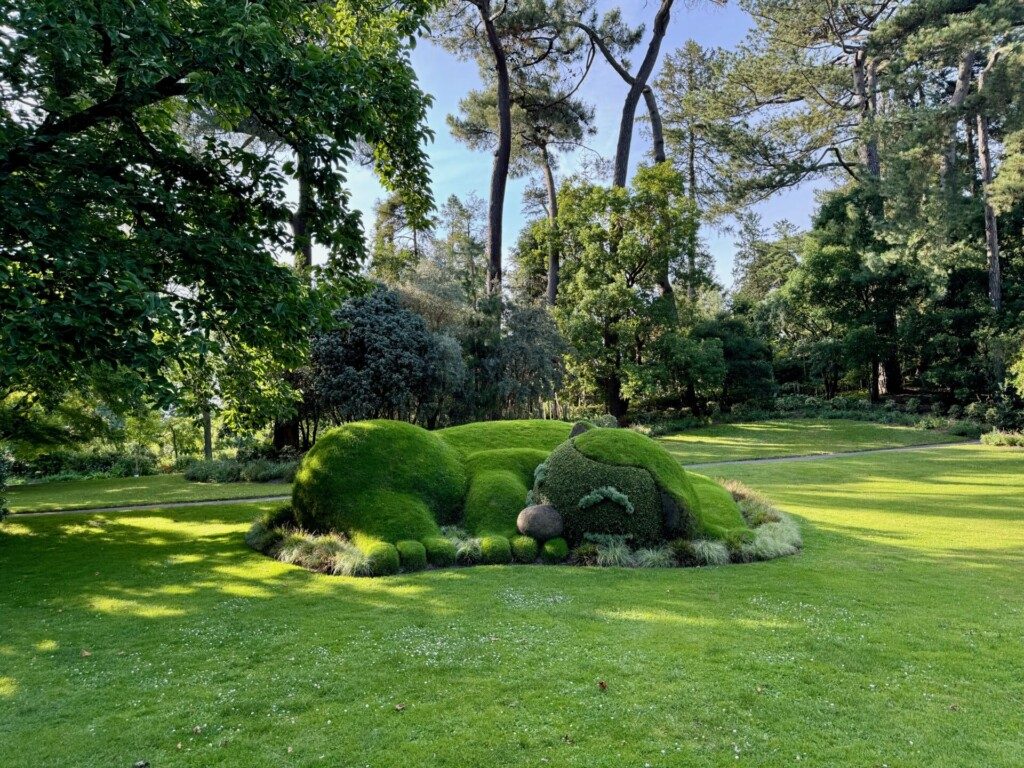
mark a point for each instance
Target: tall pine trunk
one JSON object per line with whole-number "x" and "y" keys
{"x": 502, "y": 155}
{"x": 554, "y": 256}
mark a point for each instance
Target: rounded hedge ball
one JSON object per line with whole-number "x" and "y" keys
{"x": 441, "y": 552}
{"x": 495, "y": 550}
{"x": 555, "y": 551}
{"x": 412, "y": 555}
{"x": 524, "y": 549}
{"x": 540, "y": 521}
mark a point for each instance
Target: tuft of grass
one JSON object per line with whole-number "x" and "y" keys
{"x": 654, "y": 557}
{"x": 710, "y": 552}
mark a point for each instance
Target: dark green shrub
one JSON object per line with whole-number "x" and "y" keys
{"x": 214, "y": 471}
{"x": 584, "y": 554}
{"x": 555, "y": 551}
{"x": 412, "y": 555}
{"x": 495, "y": 550}
{"x": 267, "y": 530}
{"x": 440, "y": 551}
{"x": 969, "y": 429}
{"x": 524, "y": 549}
{"x": 684, "y": 552}
{"x": 382, "y": 556}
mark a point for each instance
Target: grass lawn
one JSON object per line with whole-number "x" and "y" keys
{"x": 793, "y": 437}
{"x": 894, "y": 639}
{"x": 120, "y": 491}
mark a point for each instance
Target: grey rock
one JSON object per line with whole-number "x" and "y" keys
{"x": 541, "y": 521}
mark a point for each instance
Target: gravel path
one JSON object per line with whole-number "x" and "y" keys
{"x": 266, "y": 499}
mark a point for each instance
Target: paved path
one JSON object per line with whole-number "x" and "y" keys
{"x": 266, "y": 499}
{"x": 143, "y": 507}
{"x": 843, "y": 455}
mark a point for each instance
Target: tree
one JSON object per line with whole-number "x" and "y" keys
{"x": 515, "y": 38}
{"x": 381, "y": 361}
{"x": 696, "y": 129}
{"x": 546, "y": 119}
{"x": 620, "y": 242}
{"x": 763, "y": 264}
{"x": 110, "y": 222}
{"x": 399, "y": 239}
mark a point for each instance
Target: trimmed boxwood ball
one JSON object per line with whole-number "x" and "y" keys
{"x": 382, "y": 556}
{"x": 440, "y": 551}
{"x": 384, "y": 479}
{"x": 412, "y": 555}
{"x": 495, "y": 550}
{"x": 555, "y": 551}
{"x": 524, "y": 549}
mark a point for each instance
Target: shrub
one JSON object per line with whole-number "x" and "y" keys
{"x": 684, "y": 552}
{"x": 382, "y": 556}
{"x": 969, "y": 429}
{"x": 412, "y": 555}
{"x": 214, "y": 471}
{"x": 350, "y": 561}
{"x": 495, "y": 550}
{"x": 266, "y": 471}
{"x": 383, "y": 479}
{"x": 1006, "y": 439}
{"x": 441, "y": 552}
{"x": 710, "y": 552}
{"x": 262, "y": 537}
{"x": 555, "y": 551}
{"x": 654, "y": 557}
{"x": 524, "y": 549}
{"x": 584, "y": 554}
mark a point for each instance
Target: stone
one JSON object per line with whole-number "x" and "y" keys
{"x": 541, "y": 521}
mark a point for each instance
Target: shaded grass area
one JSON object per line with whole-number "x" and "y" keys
{"x": 122, "y": 491}
{"x": 793, "y": 437}
{"x": 893, "y": 639}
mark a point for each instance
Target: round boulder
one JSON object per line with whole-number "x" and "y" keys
{"x": 541, "y": 521}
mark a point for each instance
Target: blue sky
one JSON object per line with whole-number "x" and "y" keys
{"x": 460, "y": 171}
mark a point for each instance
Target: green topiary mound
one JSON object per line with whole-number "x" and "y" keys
{"x": 384, "y": 480}
{"x": 454, "y": 497}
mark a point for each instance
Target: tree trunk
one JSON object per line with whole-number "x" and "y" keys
{"x": 207, "y": 434}
{"x": 300, "y": 218}
{"x": 995, "y": 278}
{"x": 864, "y": 81}
{"x": 553, "y": 254}
{"x": 636, "y": 91}
{"x": 875, "y": 391}
{"x": 502, "y": 156}
{"x": 956, "y": 101}
{"x": 691, "y": 191}
{"x": 657, "y": 131}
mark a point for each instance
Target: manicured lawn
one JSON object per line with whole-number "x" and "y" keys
{"x": 894, "y": 639}
{"x": 793, "y": 437}
{"x": 119, "y": 491}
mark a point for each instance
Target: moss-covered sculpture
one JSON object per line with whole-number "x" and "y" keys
{"x": 384, "y": 483}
